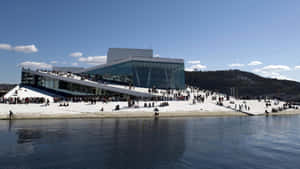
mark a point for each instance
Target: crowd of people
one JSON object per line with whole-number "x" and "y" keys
{"x": 27, "y": 100}
{"x": 91, "y": 99}
{"x": 196, "y": 95}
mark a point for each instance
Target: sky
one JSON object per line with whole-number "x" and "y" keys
{"x": 260, "y": 36}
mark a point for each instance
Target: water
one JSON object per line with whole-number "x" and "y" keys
{"x": 177, "y": 143}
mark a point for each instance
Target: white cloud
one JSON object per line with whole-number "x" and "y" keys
{"x": 4, "y": 46}
{"x": 26, "y": 49}
{"x": 274, "y": 75}
{"x": 277, "y": 68}
{"x": 93, "y": 60}
{"x": 297, "y": 67}
{"x": 53, "y": 62}
{"x": 76, "y": 54}
{"x": 188, "y": 69}
{"x": 236, "y": 65}
{"x": 156, "y": 55}
{"x": 274, "y": 71}
{"x": 194, "y": 62}
{"x": 75, "y": 64}
{"x": 35, "y": 65}
{"x": 23, "y": 48}
{"x": 198, "y": 66}
{"x": 195, "y": 67}
{"x": 254, "y": 63}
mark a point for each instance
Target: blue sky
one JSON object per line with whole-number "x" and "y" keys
{"x": 208, "y": 34}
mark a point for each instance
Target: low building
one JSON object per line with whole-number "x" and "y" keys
{"x": 67, "y": 84}
{"x": 127, "y": 67}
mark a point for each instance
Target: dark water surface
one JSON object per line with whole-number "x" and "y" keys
{"x": 179, "y": 143}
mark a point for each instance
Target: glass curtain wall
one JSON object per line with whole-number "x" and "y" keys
{"x": 143, "y": 74}
{"x": 119, "y": 74}
{"x": 57, "y": 85}
{"x": 158, "y": 75}
{"x": 67, "y": 88}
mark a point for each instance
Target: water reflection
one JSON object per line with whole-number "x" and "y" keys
{"x": 28, "y": 135}
{"x": 147, "y": 143}
{"x": 183, "y": 143}
{"x": 110, "y": 143}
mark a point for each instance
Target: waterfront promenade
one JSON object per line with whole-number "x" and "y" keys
{"x": 107, "y": 110}
{"x": 196, "y": 103}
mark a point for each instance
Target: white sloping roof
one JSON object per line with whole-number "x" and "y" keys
{"x": 23, "y": 92}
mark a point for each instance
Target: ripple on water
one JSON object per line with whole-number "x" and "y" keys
{"x": 180, "y": 143}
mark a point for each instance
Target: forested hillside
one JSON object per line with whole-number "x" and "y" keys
{"x": 245, "y": 84}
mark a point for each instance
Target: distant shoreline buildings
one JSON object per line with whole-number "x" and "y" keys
{"x": 126, "y": 67}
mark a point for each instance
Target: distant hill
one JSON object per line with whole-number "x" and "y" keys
{"x": 4, "y": 88}
{"x": 246, "y": 84}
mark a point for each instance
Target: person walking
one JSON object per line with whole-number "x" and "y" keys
{"x": 47, "y": 102}
{"x": 10, "y": 115}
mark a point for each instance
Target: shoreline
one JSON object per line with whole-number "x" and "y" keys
{"x": 123, "y": 114}
{"x": 137, "y": 114}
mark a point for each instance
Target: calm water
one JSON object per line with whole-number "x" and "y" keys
{"x": 229, "y": 142}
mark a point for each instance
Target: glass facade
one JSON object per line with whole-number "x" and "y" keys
{"x": 57, "y": 85}
{"x": 148, "y": 74}
{"x": 120, "y": 74}
{"x": 63, "y": 87}
{"x": 143, "y": 74}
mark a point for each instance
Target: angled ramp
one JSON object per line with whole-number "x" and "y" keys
{"x": 93, "y": 84}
